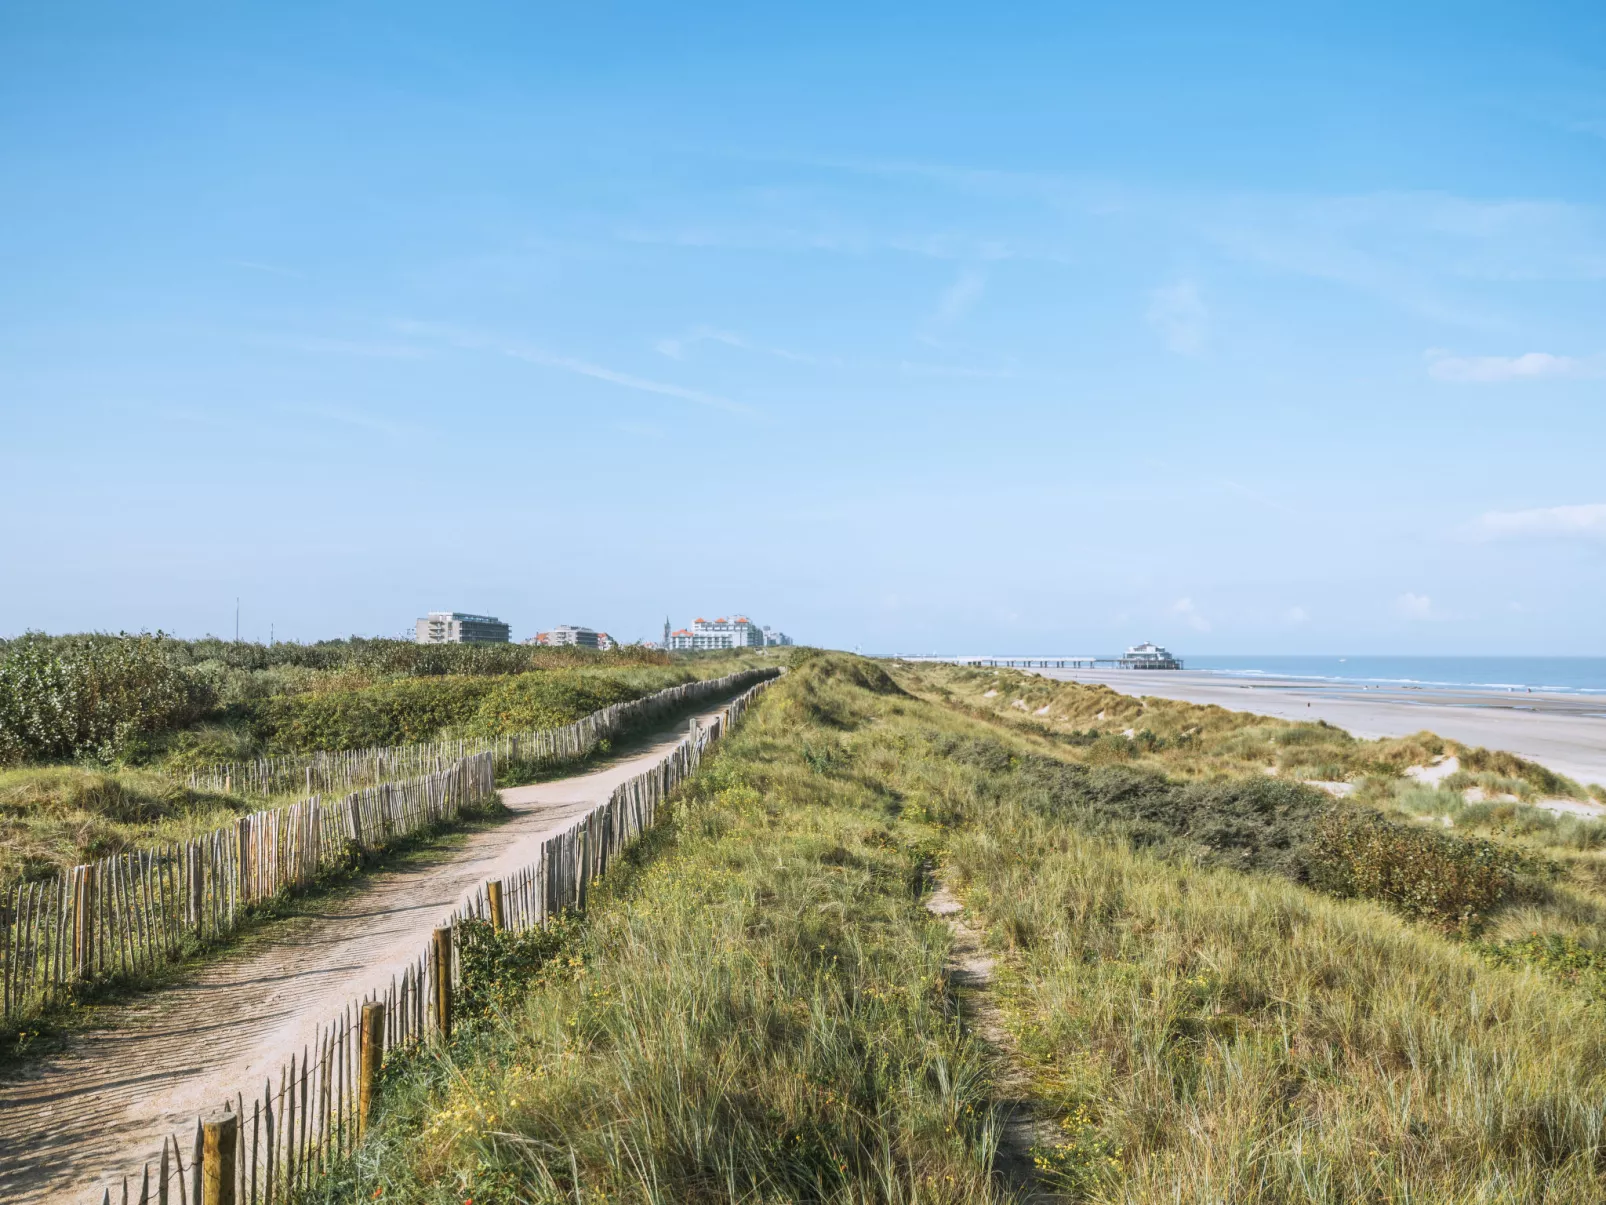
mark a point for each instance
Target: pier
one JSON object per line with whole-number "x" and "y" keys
{"x": 1071, "y": 662}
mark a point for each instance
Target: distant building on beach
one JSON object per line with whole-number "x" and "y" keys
{"x": 456, "y": 627}
{"x": 1149, "y": 655}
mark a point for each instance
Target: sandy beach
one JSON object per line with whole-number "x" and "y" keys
{"x": 1565, "y": 733}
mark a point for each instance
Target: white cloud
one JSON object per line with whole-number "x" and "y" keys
{"x": 641, "y": 430}
{"x": 1296, "y": 615}
{"x": 915, "y": 368}
{"x": 1189, "y": 614}
{"x": 584, "y": 368}
{"x": 271, "y": 269}
{"x": 598, "y": 372}
{"x": 1588, "y": 520}
{"x": 676, "y": 349}
{"x": 1415, "y": 606}
{"x": 1487, "y": 370}
{"x": 958, "y": 297}
{"x": 350, "y": 347}
{"x": 1178, "y": 313}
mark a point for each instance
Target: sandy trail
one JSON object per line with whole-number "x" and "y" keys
{"x": 1565, "y": 733}
{"x": 104, "y": 1105}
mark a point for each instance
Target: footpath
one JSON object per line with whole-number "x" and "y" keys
{"x": 106, "y": 1102}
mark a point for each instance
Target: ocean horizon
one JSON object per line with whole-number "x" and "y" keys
{"x": 1565, "y": 675}
{"x": 1580, "y": 675}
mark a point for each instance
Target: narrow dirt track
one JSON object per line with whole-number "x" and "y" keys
{"x": 104, "y": 1105}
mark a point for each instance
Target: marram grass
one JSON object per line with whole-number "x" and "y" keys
{"x": 755, "y": 1010}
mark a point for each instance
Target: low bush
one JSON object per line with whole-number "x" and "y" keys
{"x": 1558, "y": 955}
{"x": 551, "y": 698}
{"x": 1453, "y": 882}
{"x": 393, "y": 713}
{"x": 71, "y": 698}
{"x": 496, "y": 969}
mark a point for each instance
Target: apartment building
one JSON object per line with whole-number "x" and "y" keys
{"x": 722, "y": 633}
{"x": 568, "y": 633}
{"x": 456, "y": 627}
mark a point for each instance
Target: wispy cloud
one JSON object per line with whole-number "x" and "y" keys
{"x": 676, "y": 347}
{"x": 1588, "y": 521}
{"x": 1489, "y": 370}
{"x": 348, "y": 347}
{"x": 640, "y": 430}
{"x": 1178, "y": 313}
{"x": 1184, "y": 609}
{"x": 1415, "y": 606}
{"x": 585, "y": 368}
{"x": 270, "y": 269}
{"x": 358, "y": 419}
{"x": 626, "y": 380}
{"x": 916, "y": 368}
{"x": 1296, "y": 616}
{"x": 958, "y": 298}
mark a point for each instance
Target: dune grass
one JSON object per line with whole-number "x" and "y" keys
{"x": 756, "y": 1008}
{"x": 53, "y": 816}
{"x": 1095, "y": 724}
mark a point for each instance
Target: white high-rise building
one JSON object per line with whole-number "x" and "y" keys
{"x": 738, "y": 633}
{"x": 455, "y": 627}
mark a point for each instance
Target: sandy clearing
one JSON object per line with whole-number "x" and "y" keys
{"x": 1565, "y": 733}
{"x": 106, "y": 1103}
{"x": 1436, "y": 773}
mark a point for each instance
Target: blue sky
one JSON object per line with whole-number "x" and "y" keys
{"x": 1046, "y": 329}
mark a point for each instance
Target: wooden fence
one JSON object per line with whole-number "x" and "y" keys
{"x": 341, "y": 770}
{"x": 130, "y": 913}
{"x": 274, "y": 1145}
{"x": 127, "y": 914}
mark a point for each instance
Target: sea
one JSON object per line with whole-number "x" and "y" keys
{"x": 1565, "y": 675}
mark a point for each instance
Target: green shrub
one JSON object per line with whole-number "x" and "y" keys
{"x": 553, "y": 698}
{"x": 1559, "y": 956}
{"x": 421, "y": 709}
{"x": 1248, "y": 823}
{"x": 496, "y": 969}
{"x": 393, "y": 713}
{"x": 67, "y": 698}
{"x": 1453, "y": 882}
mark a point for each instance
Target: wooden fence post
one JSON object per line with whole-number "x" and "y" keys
{"x": 83, "y": 920}
{"x": 440, "y": 967}
{"x": 493, "y": 893}
{"x": 372, "y": 1054}
{"x": 222, "y": 1136}
{"x": 354, "y": 814}
{"x": 197, "y": 889}
{"x": 242, "y": 843}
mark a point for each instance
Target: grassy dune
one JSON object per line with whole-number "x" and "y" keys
{"x": 1089, "y": 723}
{"x": 756, "y": 1009}
{"x": 57, "y": 815}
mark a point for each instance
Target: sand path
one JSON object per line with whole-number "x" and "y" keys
{"x": 1566, "y": 733}
{"x": 72, "y": 1121}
